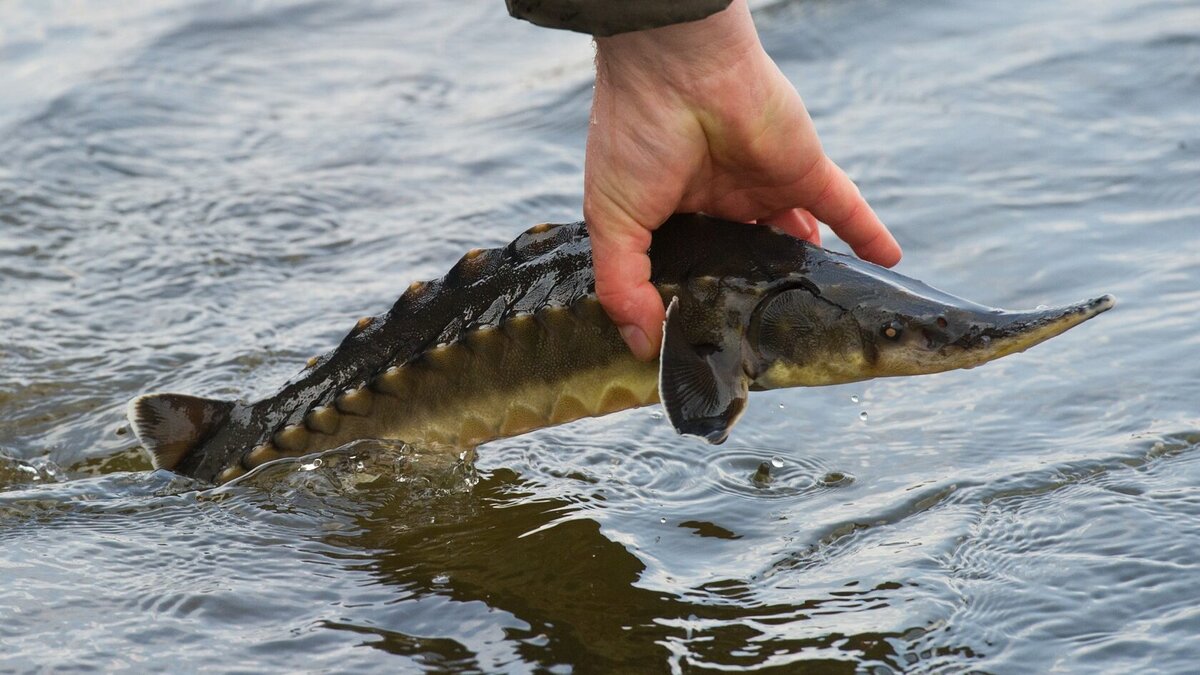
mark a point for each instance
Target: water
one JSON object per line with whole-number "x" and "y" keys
{"x": 198, "y": 196}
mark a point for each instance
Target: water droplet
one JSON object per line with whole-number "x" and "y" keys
{"x": 863, "y": 415}
{"x": 441, "y": 579}
{"x": 656, "y": 414}
{"x": 781, "y": 406}
{"x": 777, "y": 462}
{"x": 854, "y": 398}
{"x": 663, "y": 521}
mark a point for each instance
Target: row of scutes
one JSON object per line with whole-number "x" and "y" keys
{"x": 293, "y": 440}
{"x": 535, "y": 242}
{"x": 520, "y": 418}
{"x": 475, "y": 265}
{"x": 486, "y": 341}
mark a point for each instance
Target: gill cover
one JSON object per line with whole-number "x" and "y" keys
{"x": 703, "y": 387}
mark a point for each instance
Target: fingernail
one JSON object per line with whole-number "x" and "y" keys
{"x": 638, "y": 343}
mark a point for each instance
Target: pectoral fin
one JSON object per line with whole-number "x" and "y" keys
{"x": 703, "y": 387}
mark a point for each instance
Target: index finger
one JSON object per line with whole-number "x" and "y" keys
{"x": 619, "y": 257}
{"x": 839, "y": 204}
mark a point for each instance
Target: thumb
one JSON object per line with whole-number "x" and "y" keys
{"x": 619, "y": 246}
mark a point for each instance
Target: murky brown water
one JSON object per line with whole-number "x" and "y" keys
{"x": 197, "y": 196}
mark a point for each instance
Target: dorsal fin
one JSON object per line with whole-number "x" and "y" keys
{"x": 172, "y": 425}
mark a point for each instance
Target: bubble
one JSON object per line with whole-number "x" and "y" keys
{"x": 777, "y": 462}
{"x": 441, "y": 579}
{"x": 854, "y": 398}
{"x": 863, "y": 415}
{"x": 781, "y": 406}
{"x": 656, "y": 414}
{"x": 662, "y": 520}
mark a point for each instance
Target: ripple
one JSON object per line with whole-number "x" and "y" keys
{"x": 732, "y": 469}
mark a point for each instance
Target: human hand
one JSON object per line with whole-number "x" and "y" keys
{"x": 696, "y": 117}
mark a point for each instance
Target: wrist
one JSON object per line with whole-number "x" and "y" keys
{"x": 681, "y": 53}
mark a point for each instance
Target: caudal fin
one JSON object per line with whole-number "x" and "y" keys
{"x": 172, "y": 425}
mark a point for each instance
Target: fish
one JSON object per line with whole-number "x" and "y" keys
{"x": 515, "y": 339}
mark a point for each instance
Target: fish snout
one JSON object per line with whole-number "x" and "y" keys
{"x": 1005, "y": 333}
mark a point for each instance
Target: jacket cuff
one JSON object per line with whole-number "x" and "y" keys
{"x": 602, "y": 18}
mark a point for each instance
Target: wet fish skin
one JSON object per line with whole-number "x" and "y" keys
{"x": 514, "y": 339}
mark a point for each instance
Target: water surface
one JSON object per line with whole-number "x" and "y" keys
{"x": 198, "y": 196}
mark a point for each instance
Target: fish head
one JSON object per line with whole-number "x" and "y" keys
{"x": 848, "y": 320}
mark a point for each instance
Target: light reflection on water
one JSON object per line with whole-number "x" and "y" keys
{"x": 200, "y": 195}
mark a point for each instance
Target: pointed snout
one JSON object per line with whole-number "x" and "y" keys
{"x": 966, "y": 336}
{"x": 1011, "y": 332}
{"x": 1000, "y": 333}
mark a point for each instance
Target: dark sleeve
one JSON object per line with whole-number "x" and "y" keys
{"x": 609, "y": 17}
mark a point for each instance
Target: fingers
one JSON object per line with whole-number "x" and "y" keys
{"x": 623, "y": 285}
{"x": 836, "y": 201}
{"x": 797, "y": 222}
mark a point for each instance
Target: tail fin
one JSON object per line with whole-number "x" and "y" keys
{"x": 172, "y": 425}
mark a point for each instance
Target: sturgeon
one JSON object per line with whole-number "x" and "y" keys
{"x": 514, "y": 339}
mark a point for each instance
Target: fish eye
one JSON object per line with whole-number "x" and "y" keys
{"x": 892, "y": 330}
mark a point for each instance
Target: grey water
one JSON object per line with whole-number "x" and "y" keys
{"x": 198, "y": 195}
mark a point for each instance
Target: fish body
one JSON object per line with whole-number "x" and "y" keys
{"x": 514, "y": 339}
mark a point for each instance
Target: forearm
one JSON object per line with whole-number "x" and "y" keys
{"x": 610, "y": 17}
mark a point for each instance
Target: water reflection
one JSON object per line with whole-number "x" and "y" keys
{"x": 575, "y": 597}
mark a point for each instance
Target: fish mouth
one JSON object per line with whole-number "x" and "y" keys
{"x": 1007, "y": 333}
